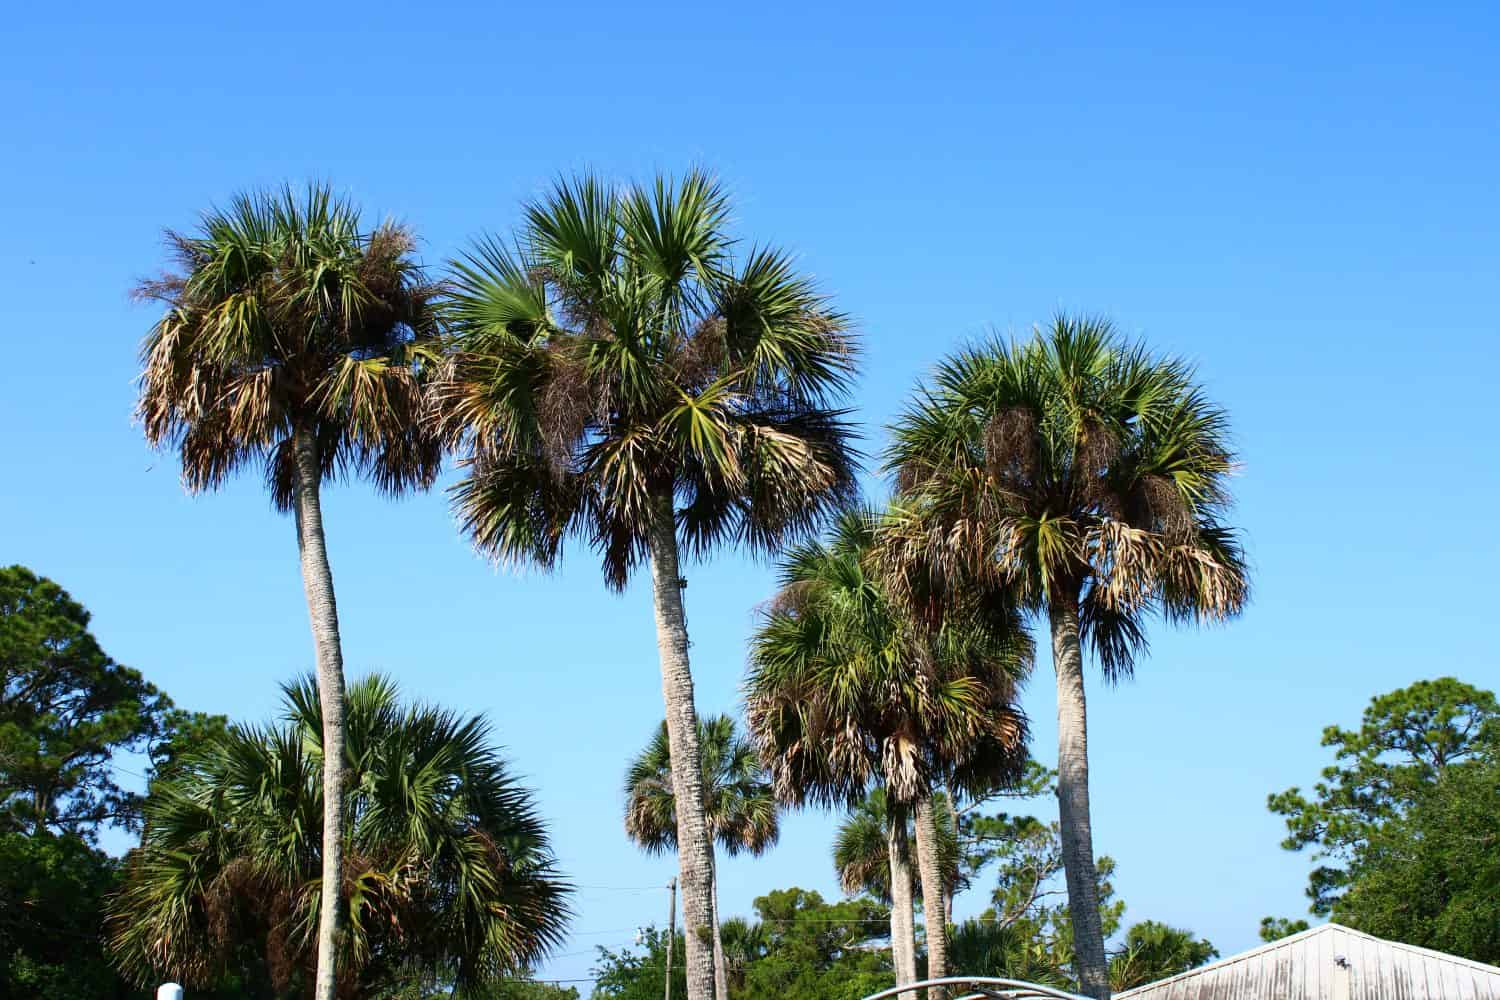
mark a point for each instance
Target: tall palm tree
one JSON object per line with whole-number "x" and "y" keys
{"x": 293, "y": 339}
{"x": 624, "y": 376}
{"x": 1090, "y": 477}
{"x": 447, "y": 870}
{"x": 739, "y": 806}
{"x": 849, "y": 688}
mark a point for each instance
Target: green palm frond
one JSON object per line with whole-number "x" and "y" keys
{"x": 447, "y": 865}
{"x": 850, "y": 687}
{"x": 285, "y": 315}
{"x": 622, "y": 347}
{"x": 738, "y": 802}
{"x": 1075, "y": 463}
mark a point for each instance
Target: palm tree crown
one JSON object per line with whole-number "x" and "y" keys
{"x": 447, "y": 875}
{"x": 622, "y": 357}
{"x": 849, "y": 687}
{"x": 287, "y": 317}
{"x": 738, "y": 801}
{"x": 846, "y": 688}
{"x": 1073, "y": 465}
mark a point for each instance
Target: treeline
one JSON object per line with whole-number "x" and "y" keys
{"x": 1403, "y": 822}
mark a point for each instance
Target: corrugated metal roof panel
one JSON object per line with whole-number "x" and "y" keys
{"x": 1331, "y": 962}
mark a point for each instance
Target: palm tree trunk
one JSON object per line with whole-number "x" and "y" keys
{"x": 317, "y": 581}
{"x": 932, "y": 895}
{"x": 947, "y": 886}
{"x": 694, "y": 852}
{"x": 903, "y": 944}
{"x": 721, "y": 973}
{"x": 1091, "y": 966}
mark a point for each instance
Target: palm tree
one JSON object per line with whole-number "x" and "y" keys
{"x": 447, "y": 874}
{"x": 738, "y": 805}
{"x": 872, "y": 854}
{"x": 624, "y": 376}
{"x": 848, "y": 689}
{"x": 1090, "y": 478}
{"x": 293, "y": 340}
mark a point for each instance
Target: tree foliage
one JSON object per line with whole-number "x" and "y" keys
{"x": 1405, "y": 824}
{"x": 847, "y": 688}
{"x": 738, "y": 804}
{"x": 640, "y": 973}
{"x": 861, "y": 854}
{"x": 448, "y": 873}
{"x": 622, "y": 355}
{"x": 1152, "y": 951}
{"x": 52, "y": 893}
{"x": 66, "y": 709}
{"x": 286, "y": 316}
{"x": 798, "y": 945}
{"x": 1276, "y": 928}
{"x": 1072, "y": 465}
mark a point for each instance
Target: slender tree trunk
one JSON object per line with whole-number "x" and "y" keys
{"x": 671, "y": 936}
{"x": 721, "y": 972}
{"x": 932, "y": 895}
{"x": 317, "y": 581}
{"x": 1091, "y": 965}
{"x": 903, "y": 942}
{"x": 947, "y": 886}
{"x": 694, "y": 852}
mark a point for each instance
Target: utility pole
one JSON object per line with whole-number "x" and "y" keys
{"x": 671, "y": 932}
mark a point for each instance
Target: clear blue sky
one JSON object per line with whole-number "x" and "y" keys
{"x": 1305, "y": 203}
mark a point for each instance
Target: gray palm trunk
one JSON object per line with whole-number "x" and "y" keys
{"x": 317, "y": 581}
{"x": 721, "y": 972}
{"x": 933, "y": 917}
{"x": 1092, "y": 967}
{"x": 953, "y": 825}
{"x": 694, "y": 851}
{"x": 903, "y": 945}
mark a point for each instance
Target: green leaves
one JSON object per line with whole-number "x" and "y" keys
{"x": 447, "y": 865}
{"x": 1072, "y": 465}
{"x": 1395, "y": 780}
{"x": 849, "y": 687}
{"x": 738, "y": 803}
{"x": 623, "y": 343}
{"x": 67, "y": 709}
{"x": 286, "y": 314}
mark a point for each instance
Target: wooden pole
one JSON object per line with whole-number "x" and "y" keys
{"x": 671, "y": 932}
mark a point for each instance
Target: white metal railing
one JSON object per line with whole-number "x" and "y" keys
{"x": 983, "y": 987}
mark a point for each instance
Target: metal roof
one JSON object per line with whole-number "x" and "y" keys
{"x": 1331, "y": 962}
